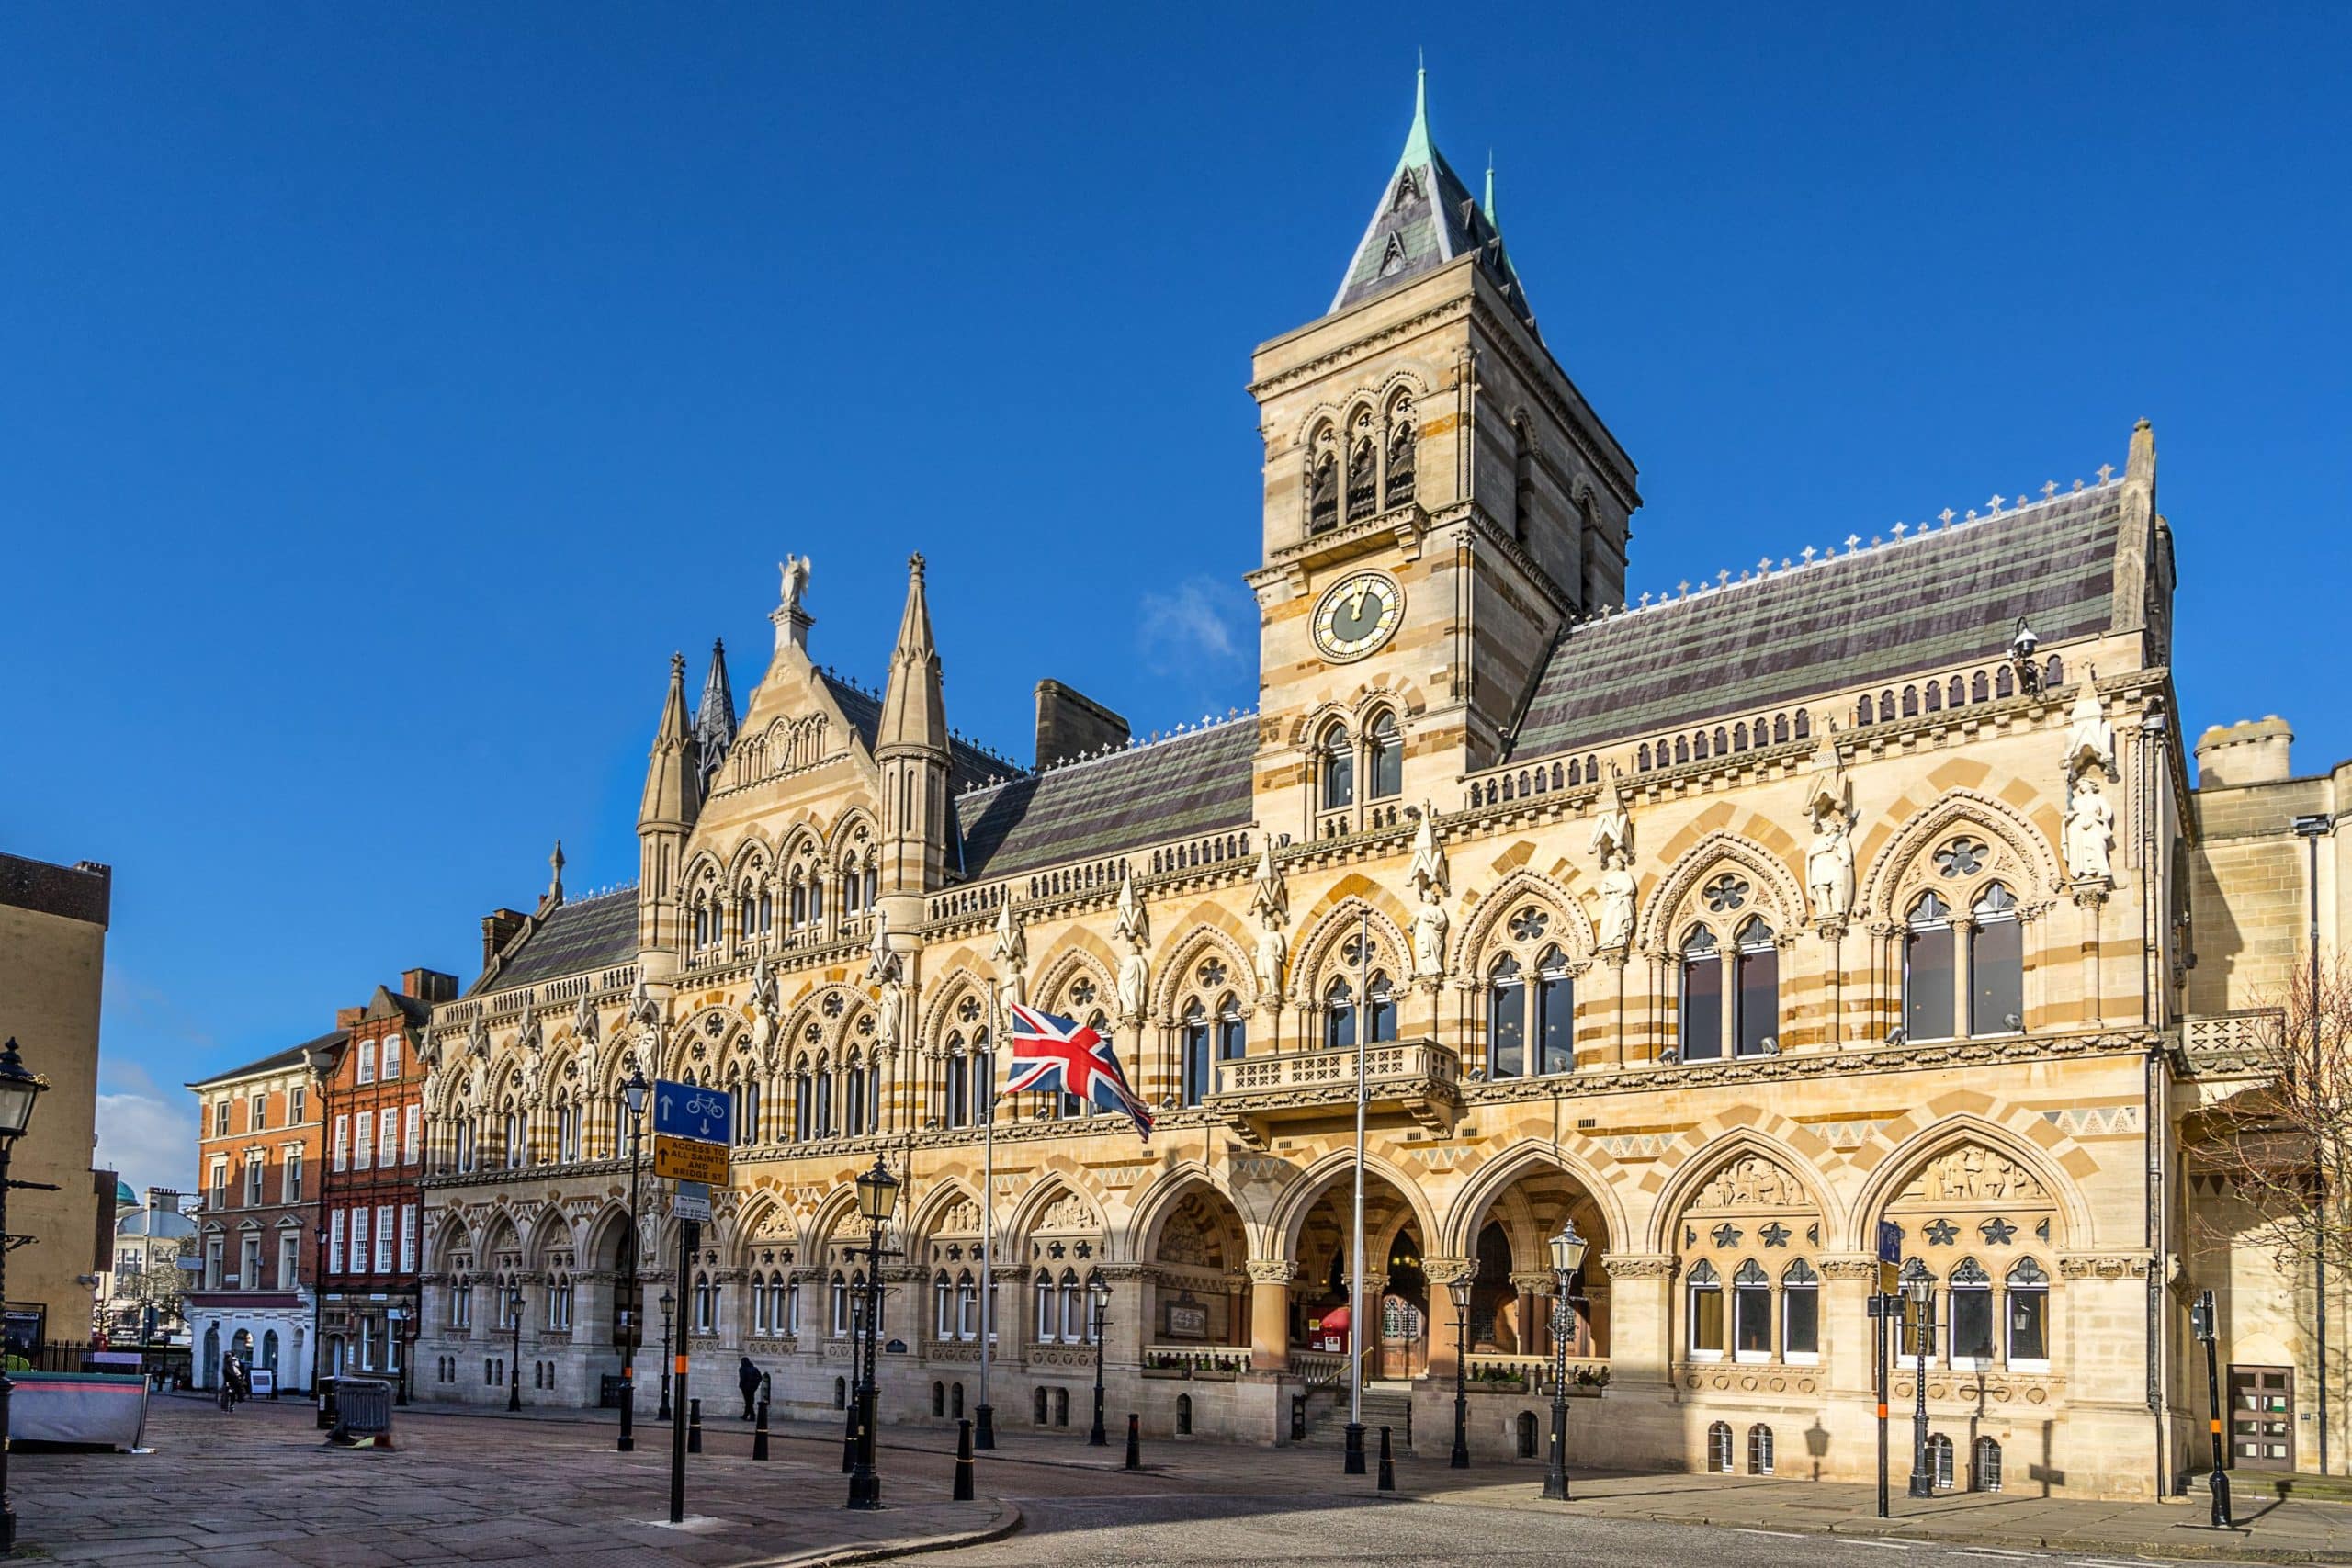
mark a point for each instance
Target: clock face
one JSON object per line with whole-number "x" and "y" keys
{"x": 1358, "y": 615}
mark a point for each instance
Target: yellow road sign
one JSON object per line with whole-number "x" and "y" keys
{"x": 689, "y": 1159}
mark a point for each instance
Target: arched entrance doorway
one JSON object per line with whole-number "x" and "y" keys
{"x": 1512, "y": 1288}
{"x": 1197, "y": 1296}
{"x": 269, "y": 1350}
{"x": 1396, "y": 1343}
{"x": 211, "y": 1357}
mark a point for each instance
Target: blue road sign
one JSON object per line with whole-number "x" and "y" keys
{"x": 683, "y": 1111}
{"x": 1890, "y": 1242}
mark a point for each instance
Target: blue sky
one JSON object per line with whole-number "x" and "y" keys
{"x": 387, "y": 391}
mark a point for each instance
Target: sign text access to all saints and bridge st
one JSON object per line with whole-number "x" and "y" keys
{"x": 692, "y": 1127}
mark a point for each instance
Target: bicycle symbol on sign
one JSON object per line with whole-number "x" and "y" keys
{"x": 707, "y": 1104}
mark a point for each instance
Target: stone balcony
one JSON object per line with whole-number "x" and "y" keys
{"x": 1418, "y": 1078}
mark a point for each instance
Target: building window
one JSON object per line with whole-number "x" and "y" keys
{"x": 840, "y": 1295}
{"x": 1984, "y": 1465}
{"x": 249, "y": 1263}
{"x": 1194, "y": 1054}
{"x": 1995, "y": 964}
{"x": 1800, "y": 1313}
{"x": 361, "y": 1140}
{"x": 388, "y": 1136}
{"x": 1939, "y": 1461}
{"x": 1339, "y": 759}
{"x": 292, "y": 1183}
{"x": 257, "y": 1112}
{"x": 392, "y": 1058}
{"x": 2029, "y": 1317}
{"x": 290, "y": 1261}
{"x": 1323, "y": 489}
{"x": 1759, "y": 1450}
{"x": 1400, "y": 455}
{"x": 366, "y": 1061}
{"x": 342, "y": 1142}
{"x": 1232, "y": 1030}
{"x": 1048, "y": 1311}
{"x": 968, "y": 1306}
{"x": 297, "y": 1100}
{"x": 1972, "y": 1315}
{"x": 335, "y": 1242}
{"x": 1363, "y": 480}
{"x": 1506, "y": 1018}
{"x": 1719, "y": 1455}
{"x": 220, "y": 1118}
{"x": 461, "y": 1304}
{"x": 1384, "y": 758}
{"x": 1751, "y": 1316}
{"x": 1928, "y": 970}
{"x": 1701, "y": 1032}
{"x": 1706, "y": 1293}
{"x": 1759, "y": 996}
{"x": 253, "y": 1180}
{"x": 1556, "y": 1012}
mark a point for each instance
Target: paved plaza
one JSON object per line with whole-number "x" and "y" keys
{"x": 485, "y": 1488}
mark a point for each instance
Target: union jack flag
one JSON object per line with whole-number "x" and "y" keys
{"x": 1052, "y": 1052}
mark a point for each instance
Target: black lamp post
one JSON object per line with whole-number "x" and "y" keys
{"x": 1460, "y": 1291}
{"x": 1567, "y": 1256}
{"x": 318, "y": 1327}
{"x": 514, "y": 1367}
{"x": 668, "y": 1301}
{"x": 18, "y": 1090}
{"x": 633, "y": 1094}
{"x": 878, "y": 1194}
{"x": 2201, "y": 1320}
{"x": 1920, "y": 1291}
{"x": 1098, "y": 1299}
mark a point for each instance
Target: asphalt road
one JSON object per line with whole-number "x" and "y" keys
{"x": 1149, "y": 1529}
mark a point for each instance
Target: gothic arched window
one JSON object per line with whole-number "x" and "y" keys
{"x": 1363, "y": 480}
{"x": 1400, "y": 455}
{"x": 1339, "y": 764}
{"x": 1232, "y": 1029}
{"x": 1323, "y": 492}
{"x": 1339, "y": 1016}
{"x": 1995, "y": 964}
{"x": 1800, "y": 1313}
{"x": 1928, "y": 970}
{"x": 1380, "y": 1013}
{"x": 1384, "y": 758}
{"x": 1556, "y": 1013}
{"x": 1706, "y": 1312}
{"x": 1195, "y": 1071}
{"x": 1701, "y": 1032}
{"x": 1506, "y": 1018}
{"x": 1758, "y": 997}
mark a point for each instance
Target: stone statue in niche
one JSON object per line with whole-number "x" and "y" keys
{"x": 1977, "y": 1173}
{"x": 1134, "y": 984}
{"x": 1829, "y": 865}
{"x": 1617, "y": 890}
{"x": 2090, "y": 831}
{"x": 1750, "y": 1181}
{"x": 1429, "y": 936}
{"x": 888, "y": 1005}
{"x": 1269, "y": 958}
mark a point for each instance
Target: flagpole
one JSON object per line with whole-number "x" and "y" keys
{"x": 984, "y": 1431}
{"x": 1355, "y": 1253}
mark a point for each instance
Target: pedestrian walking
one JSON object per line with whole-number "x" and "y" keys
{"x": 747, "y": 1378}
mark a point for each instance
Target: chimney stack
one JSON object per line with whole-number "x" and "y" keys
{"x": 498, "y": 928}
{"x": 428, "y": 985}
{"x": 1071, "y": 725}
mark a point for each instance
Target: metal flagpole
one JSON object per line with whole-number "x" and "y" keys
{"x": 1355, "y": 1252}
{"x": 984, "y": 1430}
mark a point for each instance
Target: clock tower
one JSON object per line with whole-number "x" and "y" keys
{"x": 1441, "y": 504}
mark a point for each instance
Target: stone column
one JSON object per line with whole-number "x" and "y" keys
{"x": 1848, "y": 1335}
{"x": 1269, "y": 1282}
{"x": 1534, "y": 1286}
{"x": 1641, "y": 1349}
{"x": 1444, "y": 1342}
{"x": 1964, "y": 971}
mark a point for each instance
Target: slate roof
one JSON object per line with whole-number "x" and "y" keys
{"x": 275, "y": 1061}
{"x": 586, "y": 933}
{"x": 1944, "y": 597}
{"x": 1426, "y": 218}
{"x": 968, "y": 766}
{"x": 1197, "y": 783}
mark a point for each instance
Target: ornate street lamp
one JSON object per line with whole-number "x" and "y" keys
{"x": 1460, "y": 1291}
{"x": 18, "y": 1090}
{"x": 878, "y": 1194}
{"x": 1098, "y": 1299}
{"x": 668, "y": 1301}
{"x": 515, "y": 1368}
{"x": 1920, "y": 1291}
{"x": 1567, "y": 1256}
{"x": 633, "y": 1095}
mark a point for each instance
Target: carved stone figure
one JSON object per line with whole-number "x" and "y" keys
{"x": 1750, "y": 1181}
{"x": 794, "y": 571}
{"x": 2091, "y": 739}
{"x": 1134, "y": 984}
{"x": 1272, "y": 952}
{"x": 2090, "y": 831}
{"x": 1976, "y": 1172}
{"x": 1429, "y": 936}
{"x": 1617, "y": 890}
{"x": 1612, "y": 829}
{"x": 1829, "y": 866}
{"x": 887, "y": 1006}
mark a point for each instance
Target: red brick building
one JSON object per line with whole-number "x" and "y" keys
{"x": 371, "y": 1197}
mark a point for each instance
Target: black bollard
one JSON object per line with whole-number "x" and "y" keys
{"x": 1134, "y": 1442}
{"x": 850, "y": 1436}
{"x": 693, "y": 1425}
{"x": 1387, "y": 1463}
{"x": 962, "y": 1461}
{"x": 759, "y": 1433}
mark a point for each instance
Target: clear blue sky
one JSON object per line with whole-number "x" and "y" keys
{"x": 385, "y": 392}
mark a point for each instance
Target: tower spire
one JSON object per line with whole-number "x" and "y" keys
{"x": 1489, "y": 205}
{"x": 715, "y": 719}
{"x": 673, "y": 784}
{"x": 910, "y": 748}
{"x": 914, "y": 710}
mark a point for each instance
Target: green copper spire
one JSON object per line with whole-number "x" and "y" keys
{"x": 1417, "y": 142}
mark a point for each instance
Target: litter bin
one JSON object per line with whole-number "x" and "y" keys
{"x": 364, "y": 1412}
